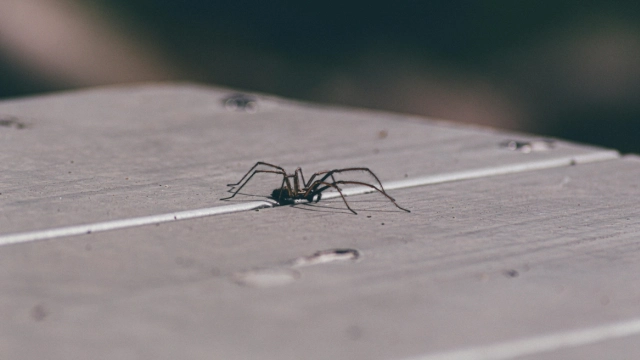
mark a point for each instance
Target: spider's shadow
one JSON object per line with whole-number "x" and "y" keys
{"x": 329, "y": 208}
{"x": 326, "y": 206}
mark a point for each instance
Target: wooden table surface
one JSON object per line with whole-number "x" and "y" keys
{"x": 114, "y": 243}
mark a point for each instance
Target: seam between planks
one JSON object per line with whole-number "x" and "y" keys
{"x": 73, "y": 230}
{"x": 540, "y": 344}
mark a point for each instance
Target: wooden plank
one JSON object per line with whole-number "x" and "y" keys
{"x": 477, "y": 264}
{"x": 123, "y": 152}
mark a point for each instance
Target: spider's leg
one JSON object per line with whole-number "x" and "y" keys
{"x": 233, "y": 186}
{"x": 299, "y": 169}
{"x": 315, "y": 189}
{"x": 249, "y": 178}
{"x": 329, "y": 173}
{"x": 281, "y": 187}
{"x": 361, "y": 169}
{"x": 292, "y": 191}
{"x": 328, "y": 185}
{"x": 255, "y": 166}
{"x": 296, "y": 183}
{"x": 375, "y": 188}
{"x": 307, "y": 184}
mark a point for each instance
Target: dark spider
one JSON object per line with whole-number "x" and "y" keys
{"x": 287, "y": 194}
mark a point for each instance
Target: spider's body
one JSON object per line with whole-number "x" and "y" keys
{"x": 294, "y": 187}
{"x": 282, "y": 196}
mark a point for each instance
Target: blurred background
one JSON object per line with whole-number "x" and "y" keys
{"x": 568, "y": 69}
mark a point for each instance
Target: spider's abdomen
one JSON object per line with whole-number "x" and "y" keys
{"x": 282, "y": 196}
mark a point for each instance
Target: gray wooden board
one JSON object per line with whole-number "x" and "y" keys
{"x": 120, "y": 152}
{"x": 476, "y": 263}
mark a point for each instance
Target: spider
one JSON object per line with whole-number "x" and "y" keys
{"x": 288, "y": 194}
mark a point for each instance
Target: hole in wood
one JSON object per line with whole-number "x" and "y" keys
{"x": 266, "y": 278}
{"x": 241, "y": 102}
{"x": 326, "y": 256}
{"x": 11, "y": 122}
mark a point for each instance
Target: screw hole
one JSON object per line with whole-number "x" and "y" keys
{"x": 241, "y": 102}
{"x": 326, "y": 256}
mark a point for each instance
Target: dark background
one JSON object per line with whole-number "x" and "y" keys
{"x": 568, "y": 69}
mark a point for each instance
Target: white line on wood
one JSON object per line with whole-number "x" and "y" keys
{"x": 226, "y": 209}
{"x": 540, "y": 344}
{"x": 484, "y": 172}
{"x": 125, "y": 223}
